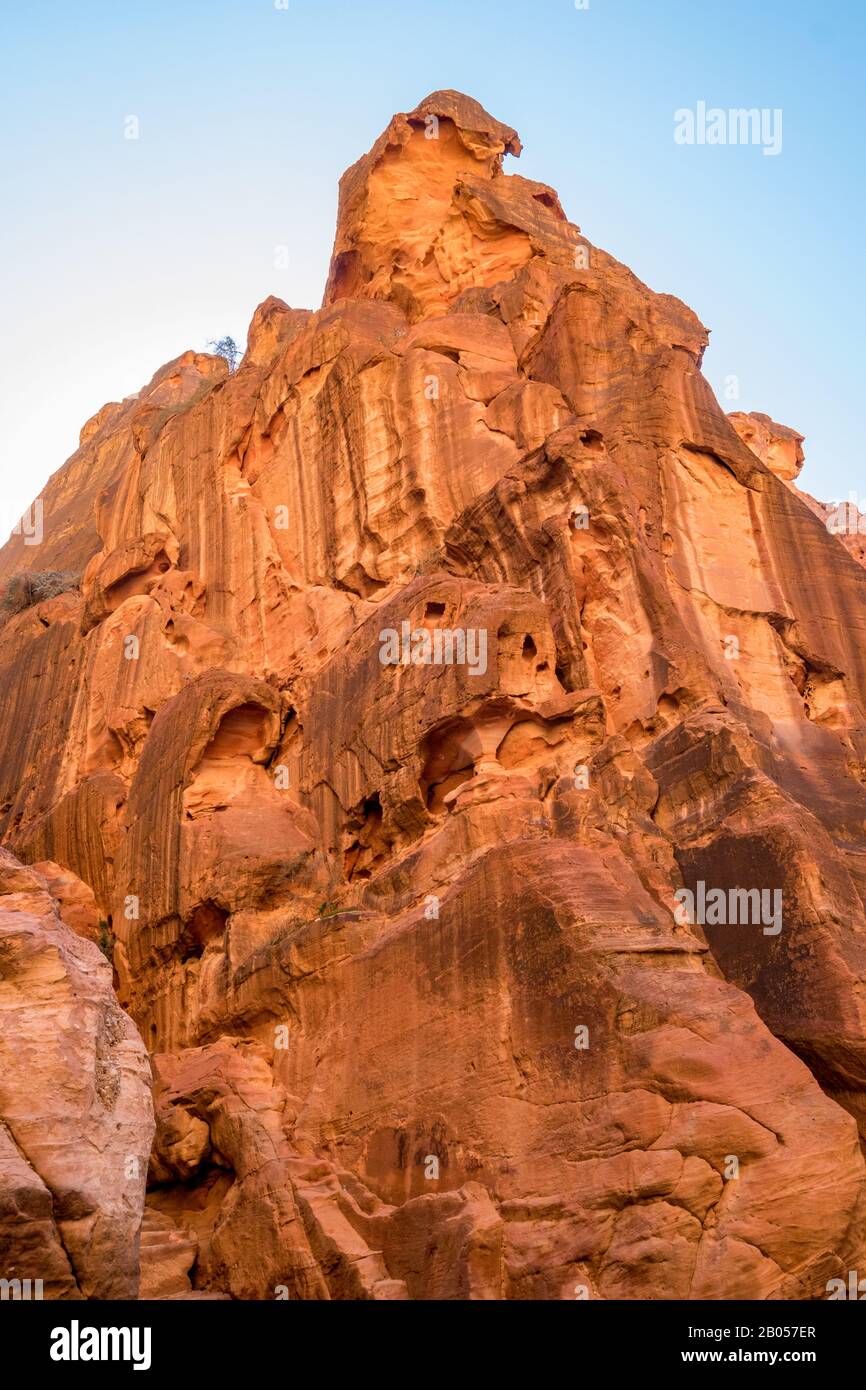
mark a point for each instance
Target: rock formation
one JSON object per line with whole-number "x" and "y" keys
{"x": 778, "y": 446}
{"x": 422, "y": 676}
{"x": 781, "y": 449}
{"x": 76, "y": 1117}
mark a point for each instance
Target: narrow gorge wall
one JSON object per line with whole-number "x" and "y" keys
{"x": 416, "y": 675}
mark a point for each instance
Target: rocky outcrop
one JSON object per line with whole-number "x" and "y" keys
{"x": 778, "y": 446}
{"x": 427, "y": 678}
{"x": 781, "y": 448}
{"x": 76, "y": 1120}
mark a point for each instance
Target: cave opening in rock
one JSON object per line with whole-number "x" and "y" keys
{"x": 207, "y": 923}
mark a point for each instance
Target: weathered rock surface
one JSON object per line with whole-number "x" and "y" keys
{"x": 778, "y": 446}
{"x": 76, "y": 1119}
{"x": 781, "y": 448}
{"x": 401, "y": 936}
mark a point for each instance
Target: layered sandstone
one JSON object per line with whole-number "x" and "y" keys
{"x": 781, "y": 448}
{"x": 778, "y": 446}
{"x": 76, "y": 1117}
{"x": 401, "y": 938}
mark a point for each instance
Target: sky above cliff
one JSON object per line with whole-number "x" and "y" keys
{"x": 118, "y": 253}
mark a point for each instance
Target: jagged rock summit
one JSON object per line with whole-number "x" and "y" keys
{"x": 457, "y": 735}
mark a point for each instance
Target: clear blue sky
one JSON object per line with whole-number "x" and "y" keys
{"x": 116, "y": 255}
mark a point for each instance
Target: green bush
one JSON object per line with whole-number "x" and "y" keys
{"x": 106, "y": 940}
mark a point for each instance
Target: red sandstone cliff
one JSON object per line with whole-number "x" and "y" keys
{"x": 425, "y": 1020}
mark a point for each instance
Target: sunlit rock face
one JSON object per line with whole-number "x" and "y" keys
{"x": 778, "y": 446}
{"x": 456, "y": 738}
{"x": 76, "y": 1115}
{"x": 781, "y": 448}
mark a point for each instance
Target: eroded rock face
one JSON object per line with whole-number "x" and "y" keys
{"x": 781, "y": 448}
{"x": 416, "y": 667}
{"x": 76, "y": 1119}
{"x": 778, "y": 446}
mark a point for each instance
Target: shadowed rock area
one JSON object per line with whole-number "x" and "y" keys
{"x": 421, "y": 677}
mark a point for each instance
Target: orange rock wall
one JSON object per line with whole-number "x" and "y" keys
{"x": 402, "y": 939}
